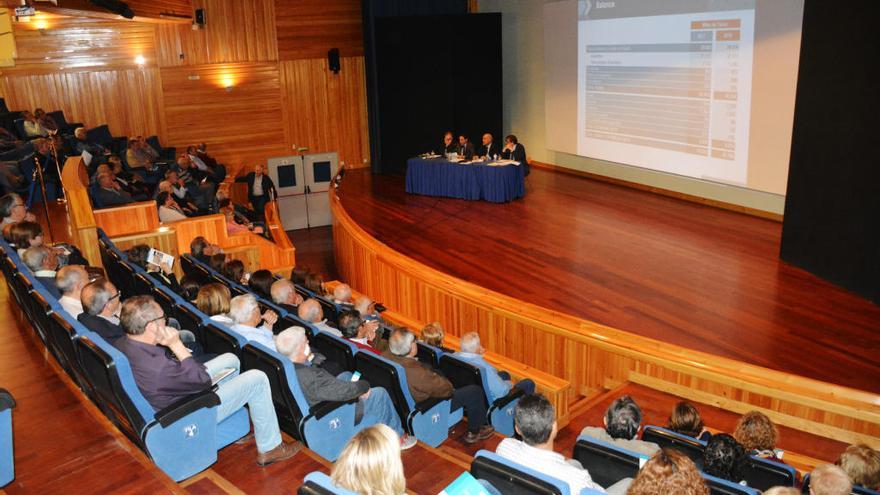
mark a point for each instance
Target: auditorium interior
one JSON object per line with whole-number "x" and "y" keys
{"x": 674, "y": 202}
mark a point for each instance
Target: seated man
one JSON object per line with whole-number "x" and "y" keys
{"x": 358, "y": 331}
{"x": 163, "y": 380}
{"x": 164, "y": 274}
{"x": 82, "y": 143}
{"x": 622, "y": 424}
{"x": 488, "y": 149}
{"x": 424, "y": 383}
{"x": 449, "y": 145}
{"x": 245, "y": 313}
{"x": 465, "y": 148}
{"x": 499, "y": 381}
{"x": 70, "y": 281}
{"x": 342, "y": 296}
{"x": 829, "y": 479}
{"x": 284, "y": 294}
{"x": 202, "y": 250}
{"x": 100, "y": 300}
{"x": 44, "y": 263}
{"x": 110, "y": 193}
{"x": 318, "y": 385}
{"x": 202, "y": 191}
{"x": 310, "y": 311}
{"x": 515, "y": 151}
{"x": 535, "y": 421}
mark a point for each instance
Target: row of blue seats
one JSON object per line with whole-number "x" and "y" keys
{"x": 7, "y": 461}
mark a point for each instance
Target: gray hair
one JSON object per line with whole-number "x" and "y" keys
{"x": 828, "y": 479}
{"x": 96, "y": 295}
{"x": 34, "y": 257}
{"x": 69, "y": 277}
{"x": 534, "y": 416}
{"x": 622, "y": 418}
{"x": 363, "y": 304}
{"x": 138, "y": 312}
{"x": 400, "y": 342}
{"x": 282, "y": 290}
{"x": 7, "y": 202}
{"x": 470, "y": 342}
{"x": 242, "y": 307}
{"x": 290, "y": 340}
{"x": 342, "y": 292}
{"x": 310, "y": 310}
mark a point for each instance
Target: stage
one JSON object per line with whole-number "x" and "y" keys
{"x": 690, "y": 276}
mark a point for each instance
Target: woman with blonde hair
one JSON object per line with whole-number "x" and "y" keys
{"x": 370, "y": 463}
{"x": 669, "y": 471}
{"x": 862, "y": 465}
{"x": 213, "y": 300}
{"x": 433, "y": 335}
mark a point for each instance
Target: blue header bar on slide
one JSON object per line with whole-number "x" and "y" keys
{"x": 613, "y": 9}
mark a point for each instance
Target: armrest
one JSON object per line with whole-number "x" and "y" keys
{"x": 6, "y": 400}
{"x": 427, "y": 404}
{"x": 187, "y": 405}
{"x": 514, "y": 394}
{"x": 322, "y": 409}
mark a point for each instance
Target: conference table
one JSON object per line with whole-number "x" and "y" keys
{"x": 497, "y": 181}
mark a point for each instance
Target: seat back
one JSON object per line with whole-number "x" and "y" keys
{"x": 718, "y": 486}
{"x": 144, "y": 285}
{"x": 65, "y": 335}
{"x": 462, "y": 374}
{"x": 100, "y": 135}
{"x": 126, "y": 280}
{"x": 190, "y": 318}
{"x": 317, "y": 483}
{"x": 336, "y": 350}
{"x": 763, "y": 473}
{"x": 7, "y": 459}
{"x": 606, "y": 463}
{"x": 511, "y": 478}
{"x": 286, "y": 393}
{"x": 19, "y": 128}
{"x": 217, "y": 339}
{"x": 381, "y": 372}
{"x": 188, "y": 266}
{"x": 428, "y": 354}
{"x": 688, "y": 446}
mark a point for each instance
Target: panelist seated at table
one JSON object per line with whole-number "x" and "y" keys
{"x": 513, "y": 150}
{"x": 465, "y": 148}
{"x": 489, "y": 148}
{"x": 449, "y": 145}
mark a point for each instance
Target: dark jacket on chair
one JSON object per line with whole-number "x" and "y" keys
{"x": 102, "y": 327}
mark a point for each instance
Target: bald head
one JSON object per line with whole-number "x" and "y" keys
{"x": 71, "y": 279}
{"x": 470, "y": 342}
{"x": 362, "y": 305}
{"x": 310, "y": 311}
{"x": 342, "y": 293}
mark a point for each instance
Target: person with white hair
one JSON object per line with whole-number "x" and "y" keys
{"x": 342, "y": 295}
{"x": 829, "y": 479}
{"x": 284, "y": 294}
{"x": 70, "y": 281}
{"x": 310, "y": 311}
{"x": 374, "y": 405}
{"x": 245, "y": 313}
{"x": 499, "y": 381}
{"x": 43, "y": 262}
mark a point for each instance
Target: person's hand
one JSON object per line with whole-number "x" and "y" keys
{"x": 30, "y": 217}
{"x": 371, "y": 327}
{"x": 366, "y": 395}
{"x": 166, "y": 267}
{"x": 258, "y": 230}
{"x": 270, "y": 317}
{"x": 168, "y": 336}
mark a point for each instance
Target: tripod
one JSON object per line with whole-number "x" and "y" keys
{"x": 38, "y": 176}
{"x": 52, "y": 134}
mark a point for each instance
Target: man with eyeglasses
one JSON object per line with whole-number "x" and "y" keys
{"x": 13, "y": 210}
{"x": 100, "y": 300}
{"x": 163, "y": 380}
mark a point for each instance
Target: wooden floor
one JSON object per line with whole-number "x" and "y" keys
{"x": 687, "y": 274}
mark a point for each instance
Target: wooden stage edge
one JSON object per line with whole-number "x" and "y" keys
{"x": 590, "y": 355}
{"x": 768, "y": 215}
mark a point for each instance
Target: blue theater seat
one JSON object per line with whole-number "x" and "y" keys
{"x": 100, "y": 135}
{"x": 429, "y": 354}
{"x": 7, "y": 459}
{"x": 219, "y": 339}
{"x": 500, "y": 409}
{"x": 336, "y": 350}
{"x": 317, "y": 483}
{"x": 428, "y": 420}
{"x": 718, "y": 486}
{"x": 763, "y": 474}
{"x": 511, "y": 478}
{"x": 665, "y": 438}
{"x": 325, "y": 428}
{"x": 606, "y": 463}
{"x": 182, "y": 439}
{"x": 64, "y": 126}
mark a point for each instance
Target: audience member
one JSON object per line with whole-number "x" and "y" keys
{"x": 261, "y": 283}
{"x": 110, "y": 193}
{"x": 359, "y": 332}
{"x": 433, "y": 335}
{"x": 13, "y": 210}
{"x": 298, "y": 275}
{"x": 23, "y": 235}
{"x": 45, "y": 121}
{"x": 213, "y": 300}
{"x": 245, "y": 314}
{"x": 310, "y": 311}
{"x": 622, "y": 425}
{"x": 758, "y": 435}
{"x": 370, "y": 463}
{"x": 217, "y": 261}
{"x": 782, "y": 490}
{"x": 261, "y": 189}
{"x": 669, "y": 471}
{"x": 499, "y": 381}
{"x": 168, "y": 210}
{"x": 32, "y": 126}
{"x": 862, "y": 464}
{"x": 70, "y": 281}
{"x": 82, "y": 144}
{"x": 535, "y": 423}
{"x": 685, "y": 420}
{"x": 285, "y": 296}
{"x": 723, "y": 458}
{"x": 183, "y": 199}
{"x": 163, "y": 380}
{"x": 234, "y": 271}
{"x": 164, "y": 274}
{"x": 192, "y": 178}
{"x": 202, "y": 250}
{"x": 424, "y": 383}
{"x": 315, "y": 284}
{"x": 137, "y": 155}
{"x": 130, "y": 182}
{"x": 43, "y": 262}
{"x": 342, "y": 295}
{"x": 190, "y": 285}
{"x": 232, "y": 226}
{"x": 318, "y": 385}
{"x": 829, "y": 479}
{"x": 100, "y": 301}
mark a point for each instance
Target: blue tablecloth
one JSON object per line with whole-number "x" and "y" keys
{"x": 439, "y": 177}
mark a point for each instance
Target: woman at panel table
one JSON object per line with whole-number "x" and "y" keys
{"x": 515, "y": 151}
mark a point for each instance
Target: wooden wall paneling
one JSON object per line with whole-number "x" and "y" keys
{"x": 325, "y": 111}
{"x": 164, "y": 240}
{"x": 309, "y": 28}
{"x": 590, "y": 355}
{"x": 129, "y": 219}
{"x": 234, "y": 31}
{"x": 241, "y": 125}
{"x": 211, "y": 227}
{"x": 80, "y": 219}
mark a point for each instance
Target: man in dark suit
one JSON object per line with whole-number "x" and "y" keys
{"x": 260, "y": 189}
{"x": 110, "y": 192}
{"x": 489, "y": 148}
{"x": 465, "y": 148}
{"x": 515, "y": 151}
{"x": 43, "y": 263}
{"x": 449, "y": 145}
{"x": 100, "y": 300}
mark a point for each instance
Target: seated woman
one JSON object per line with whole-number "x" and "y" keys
{"x": 758, "y": 435}
{"x": 190, "y": 285}
{"x": 25, "y": 235}
{"x": 669, "y": 471}
{"x": 261, "y": 283}
{"x": 686, "y": 420}
{"x": 315, "y": 283}
{"x": 234, "y": 271}
{"x": 162, "y": 274}
{"x": 236, "y": 224}
{"x": 862, "y": 465}
{"x": 723, "y": 458}
{"x": 168, "y": 210}
{"x": 370, "y": 463}
{"x": 213, "y": 299}
{"x": 433, "y": 335}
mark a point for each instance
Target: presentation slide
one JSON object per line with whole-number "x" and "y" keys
{"x": 668, "y": 85}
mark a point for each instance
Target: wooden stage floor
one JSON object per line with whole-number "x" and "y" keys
{"x": 695, "y": 276}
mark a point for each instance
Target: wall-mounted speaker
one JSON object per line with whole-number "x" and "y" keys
{"x": 199, "y": 18}
{"x": 333, "y": 60}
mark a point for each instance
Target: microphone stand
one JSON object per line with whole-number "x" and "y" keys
{"x": 54, "y": 148}
{"x": 38, "y": 175}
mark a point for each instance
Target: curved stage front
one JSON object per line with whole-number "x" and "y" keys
{"x": 601, "y": 285}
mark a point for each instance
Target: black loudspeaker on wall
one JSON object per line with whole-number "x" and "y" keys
{"x": 333, "y": 60}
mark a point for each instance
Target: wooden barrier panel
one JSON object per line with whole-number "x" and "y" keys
{"x": 81, "y": 221}
{"x": 593, "y": 356}
{"x": 128, "y": 219}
